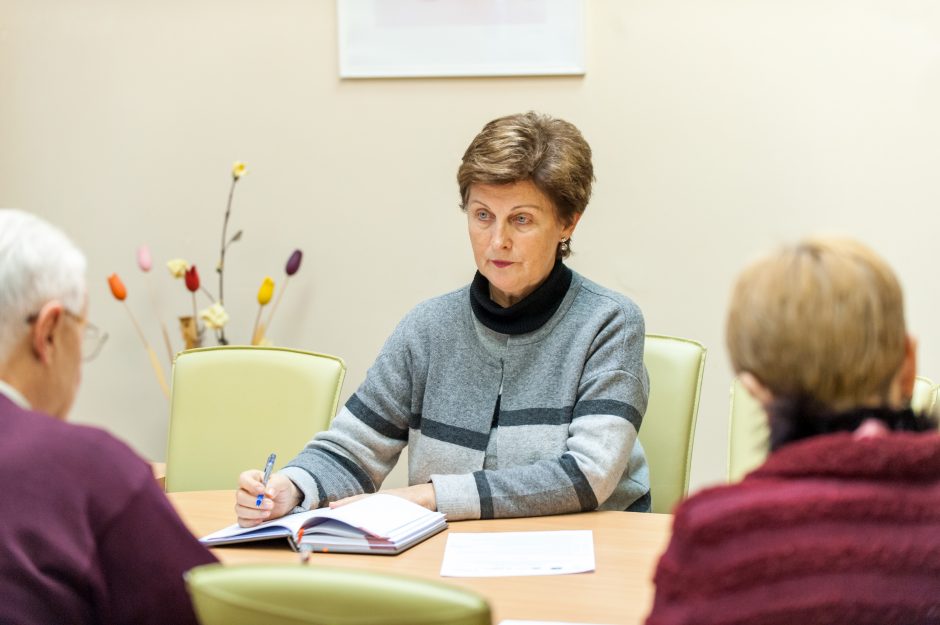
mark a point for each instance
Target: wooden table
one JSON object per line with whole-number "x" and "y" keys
{"x": 159, "y": 473}
{"x": 626, "y": 548}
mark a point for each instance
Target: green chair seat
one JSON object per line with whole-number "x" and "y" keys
{"x": 278, "y": 594}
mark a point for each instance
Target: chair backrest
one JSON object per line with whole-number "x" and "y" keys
{"x": 932, "y": 407}
{"x": 749, "y": 430}
{"x": 279, "y": 594}
{"x": 675, "y": 366}
{"x": 748, "y": 433}
{"x": 924, "y": 398}
{"x": 231, "y": 406}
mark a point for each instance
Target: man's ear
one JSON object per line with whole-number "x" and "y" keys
{"x": 43, "y": 337}
{"x": 760, "y": 392}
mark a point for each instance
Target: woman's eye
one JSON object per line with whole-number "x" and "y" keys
{"x": 522, "y": 220}
{"x": 482, "y": 215}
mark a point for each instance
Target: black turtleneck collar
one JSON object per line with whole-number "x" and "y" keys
{"x": 526, "y": 315}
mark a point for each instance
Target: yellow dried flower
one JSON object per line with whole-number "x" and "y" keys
{"x": 214, "y": 316}
{"x": 266, "y": 291}
{"x": 177, "y": 267}
{"x": 239, "y": 170}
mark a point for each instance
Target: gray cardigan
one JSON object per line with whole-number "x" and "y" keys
{"x": 573, "y": 394}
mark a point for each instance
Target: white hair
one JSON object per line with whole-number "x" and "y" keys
{"x": 38, "y": 263}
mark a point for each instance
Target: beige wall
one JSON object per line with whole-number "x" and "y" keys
{"x": 719, "y": 128}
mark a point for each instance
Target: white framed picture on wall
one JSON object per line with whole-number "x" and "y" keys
{"x": 414, "y": 38}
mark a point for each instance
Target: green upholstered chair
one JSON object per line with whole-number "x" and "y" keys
{"x": 231, "y": 406}
{"x": 932, "y": 407}
{"x": 675, "y": 366}
{"x": 749, "y": 431}
{"x": 924, "y": 398}
{"x": 280, "y": 594}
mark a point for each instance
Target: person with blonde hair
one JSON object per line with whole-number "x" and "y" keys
{"x": 519, "y": 394}
{"x": 841, "y": 524}
{"x": 86, "y": 536}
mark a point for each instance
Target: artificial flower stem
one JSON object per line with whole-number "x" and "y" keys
{"x": 158, "y": 370}
{"x": 277, "y": 301}
{"x": 228, "y": 212}
{"x": 195, "y": 315}
{"x": 207, "y": 294}
{"x": 258, "y": 330}
{"x": 166, "y": 342}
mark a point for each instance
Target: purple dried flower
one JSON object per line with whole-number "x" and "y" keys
{"x": 293, "y": 263}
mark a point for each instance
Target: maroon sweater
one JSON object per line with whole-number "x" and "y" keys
{"x": 86, "y": 535}
{"x": 829, "y": 530}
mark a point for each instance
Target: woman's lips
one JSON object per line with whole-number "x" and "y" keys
{"x": 501, "y": 263}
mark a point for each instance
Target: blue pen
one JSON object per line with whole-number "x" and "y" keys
{"x": 267, "y": 475}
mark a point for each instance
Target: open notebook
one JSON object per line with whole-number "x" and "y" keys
{"x": 381, "y": 524}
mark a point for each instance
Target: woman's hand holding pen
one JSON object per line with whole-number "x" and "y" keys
{"x": 280, "y": 497}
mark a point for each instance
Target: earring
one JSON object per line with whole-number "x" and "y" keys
{"x": 563, "y": 247}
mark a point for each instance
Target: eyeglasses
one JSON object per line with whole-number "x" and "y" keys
{"x": 92, "y": 340}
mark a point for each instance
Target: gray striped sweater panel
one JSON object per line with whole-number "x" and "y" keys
{"x": 573, "y": 397}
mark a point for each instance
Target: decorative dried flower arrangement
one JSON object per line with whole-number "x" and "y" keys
{"x": 214, "y": 317}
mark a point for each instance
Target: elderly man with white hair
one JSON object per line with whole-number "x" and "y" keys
{"x": 86, "y": 534}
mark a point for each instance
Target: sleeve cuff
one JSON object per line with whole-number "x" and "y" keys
{"x": 457, "y": 496}
{"x": 307, "y": 485}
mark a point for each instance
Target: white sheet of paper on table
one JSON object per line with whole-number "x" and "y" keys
{"x": 506, "y": 554}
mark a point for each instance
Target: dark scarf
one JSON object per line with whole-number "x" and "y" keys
{"x": 797, "y": 419}
{"x": 526, "y": 315}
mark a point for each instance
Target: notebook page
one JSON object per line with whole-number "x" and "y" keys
{"x": 283, "y": 526}
{"x": 381, "y": 515}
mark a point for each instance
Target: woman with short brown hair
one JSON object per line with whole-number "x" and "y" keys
{"x": 520, "y": 394}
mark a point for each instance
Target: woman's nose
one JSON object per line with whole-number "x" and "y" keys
{"x": 501, "y": 238}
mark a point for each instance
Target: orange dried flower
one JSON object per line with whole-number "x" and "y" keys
{"x": 118, "y": 290}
